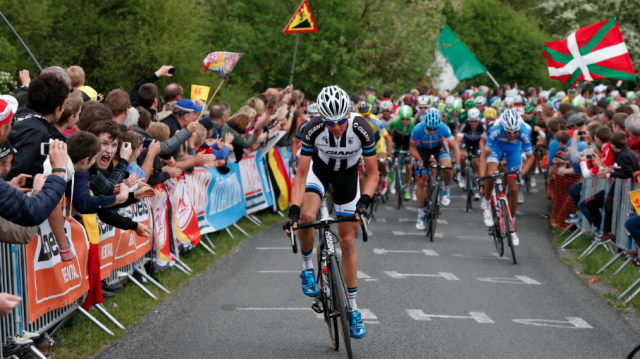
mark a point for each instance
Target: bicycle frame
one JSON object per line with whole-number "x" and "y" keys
{"x": 499, "y": 196}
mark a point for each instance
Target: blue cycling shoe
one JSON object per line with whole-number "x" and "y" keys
{"x": 356, "y": 327}
{"x": 309, "y": 286}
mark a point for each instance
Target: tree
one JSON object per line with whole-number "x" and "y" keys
{"x": 507, "y": 42}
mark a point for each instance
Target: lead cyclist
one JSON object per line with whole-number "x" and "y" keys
{"x": 331, "y": 148}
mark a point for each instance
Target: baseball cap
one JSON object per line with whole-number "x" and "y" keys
{"x": 6, "y": 149}
{"x": 186, "y": 105}
{"x": 208, "y": 123}
{"x": 8, "y": 107}
{"x": 88, "y": 93}
{"x": 371, "y": 88}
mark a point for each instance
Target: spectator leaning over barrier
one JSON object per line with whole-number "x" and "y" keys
{"x": 119, "y": 103}
{"x": 218, "y": 147}
{"x": 133, "y": 168}
{"x": 237, "y": 126}
{"x": 632, "y": 124}
{"x": 47, "y": 96}
{"x": 627, "y": 162}
{"x": 161, "y": 169}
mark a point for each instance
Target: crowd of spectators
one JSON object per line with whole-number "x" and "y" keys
{"x": 62, "y": 139}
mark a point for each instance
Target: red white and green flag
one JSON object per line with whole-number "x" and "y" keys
{"x": 593, "y": 52}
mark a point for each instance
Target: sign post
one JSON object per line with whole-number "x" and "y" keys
{"x": 302, "y": 21}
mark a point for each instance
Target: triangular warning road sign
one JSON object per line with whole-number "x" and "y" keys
{"x": 302, "y": 21}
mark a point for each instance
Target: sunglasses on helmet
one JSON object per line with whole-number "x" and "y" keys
{"x": 333, "y": 123}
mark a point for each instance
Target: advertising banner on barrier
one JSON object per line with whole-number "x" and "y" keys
{"x": 161, "y": 229}
{"x": 131, "y": 246}
{"x": 198, "y": 189}
{"x": 109, "y": 239}
{"x": 280, "y": 180}
{"x": 52, "y": 283}
{"x": 226, "y": 198}
{"x": 184, "y": 222}
{"x": 254, "y": 196}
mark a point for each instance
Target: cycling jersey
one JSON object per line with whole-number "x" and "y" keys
{"x": 499, "y": 144}
{"x": 420, "y": 136}
{"x": 451, "y": 119}
{"x": 401, "y": 135}
{"x": 470, "y": 134}
{"x": 338, "y": 153}
{"x": 385, "y": 122}
{"x": 377, "y": 126}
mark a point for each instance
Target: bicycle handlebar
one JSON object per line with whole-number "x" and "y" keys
{"x": 323, "y": 222}
{"x": 501, "y": 174}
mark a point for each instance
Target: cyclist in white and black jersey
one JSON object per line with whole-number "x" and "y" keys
{"x": 468, "y": 139}
{"x": 331, "y": 148}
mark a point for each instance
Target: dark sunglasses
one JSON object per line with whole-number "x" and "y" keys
{"x": 512, "y": 132}
{"x": 431, "y": 128}
{"x": 529, "y": 113}
{"x": 333, "y": 123}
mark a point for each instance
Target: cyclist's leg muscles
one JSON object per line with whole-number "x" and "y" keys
{"x": 492, "y": 166}
{"x": 514, "y": 160}
{"x": 463, "y": 154}
{"x": 347, "y": 193}
{"x": 310, "y": 205}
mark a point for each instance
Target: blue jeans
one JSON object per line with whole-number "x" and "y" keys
{"x": 633, "y": 226}
{"x": 576, "y": 191}
{"x": 582, "y": 207}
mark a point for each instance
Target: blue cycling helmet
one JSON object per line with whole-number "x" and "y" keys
{"x": 431, "y": 118}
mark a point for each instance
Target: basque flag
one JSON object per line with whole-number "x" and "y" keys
{"x": 593, "y": 52}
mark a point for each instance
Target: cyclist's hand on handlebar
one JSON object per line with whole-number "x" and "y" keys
{"x": 389, "y": 161}
{"x": 362, "y": 215}
{"x": 294, "y": 217}
{"x": 361, "y": 208}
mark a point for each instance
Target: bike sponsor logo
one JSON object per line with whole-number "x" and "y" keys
{"x": 106, "y": 230}
{"x": 350, "y": 140}
{"x": 329, "y": 237}
{"x": 362, "y": 130}
{"x": 342, "y": 153}
{"x": 69, "y": 273}
{"x": 140, "y": 211}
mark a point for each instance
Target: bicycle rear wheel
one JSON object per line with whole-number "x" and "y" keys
{"x": 340, "y": 297}
{"x": 328, "y": 306}
{"x": 469, "y": 189}
{"x": 398, "y": 185}
{"x": 507, "y": 230}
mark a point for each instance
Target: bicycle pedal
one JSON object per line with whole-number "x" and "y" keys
{"x": 316, "y": 306}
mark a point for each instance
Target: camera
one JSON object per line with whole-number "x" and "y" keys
{"x": 582, "y": 133}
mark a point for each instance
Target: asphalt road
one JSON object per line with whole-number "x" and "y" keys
{"x": 456, "y": 300}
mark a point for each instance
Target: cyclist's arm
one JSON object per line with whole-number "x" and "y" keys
{"x": 528, "y": 163}
{"x": 483, "y": 161}
{"x": 456, "y": 149}
{"x": 389, "y": 142}
{"x": 371, "y": 182}
{"x": 300, "y": 180}
{"x": 413, "y": 149}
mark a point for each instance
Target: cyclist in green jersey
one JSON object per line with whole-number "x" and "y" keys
{"x": 400, "y": 129}
{"x": 456, "y": 115}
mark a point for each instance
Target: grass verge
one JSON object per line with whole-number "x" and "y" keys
{"x": 84, "y": 339}
{"x": 587, "y": 268}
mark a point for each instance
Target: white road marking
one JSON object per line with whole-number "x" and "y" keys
{"x": 412, "y": 209}
{"x": 475, "y": 238}
{"x": 279, "y": 271}
{"x": 367, "y": 316}
{"x": 362, "y": 275}
{"x": 269, "y": 248}
{"x": 518, "y": 213}
{"x": 401, "y": 233}
{"x": 268, "y": 309}
{"x": 389, "y": 208}
{"x": 442, "y": 221}
{"x": 480, "y": 256}
{"x": 534, "y": 190}
{"x": 404, "y": 220}
{"x": 480, "y": 317}
{"x": 381, "y": 219}
{"x": 571, "y": 323}
{"x": 447, "y": 276}
{"x": 519, "y": 279}
{"x": 428, "y": 252}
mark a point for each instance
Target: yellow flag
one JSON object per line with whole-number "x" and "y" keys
{"x": 201, "y": 92}
{"x": 635, "y": 200}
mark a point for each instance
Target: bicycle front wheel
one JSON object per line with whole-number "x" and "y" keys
{"x": 434, "y": 212}
{"x": 328, "y": 305}
{"x": 398, "y": 185}
{"x": 497, "y": 234}
{"x": 507, "y": 231}
{"x": 340, "y": 297}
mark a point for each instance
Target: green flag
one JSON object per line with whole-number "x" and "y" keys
{"x": 454, "y": 60}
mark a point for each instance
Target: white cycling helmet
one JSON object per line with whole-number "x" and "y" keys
{"x": 508, "y": 102}
{"x": 449, "y": 100}
{"x": 480, "y": 100}
{"x": 473, "y": 114}
{"x": 510, "y": 120}
{"x": 386, "y": 105}
{"x": 312, "y": 109}
{"x": 520, "y": 110}
{"x": 333, "y": 104}
{"x": 560, "y": 95}
{"x": 424, "y": 101}
{"x": 518, "y": 99}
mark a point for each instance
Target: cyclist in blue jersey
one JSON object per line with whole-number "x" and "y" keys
{"x": 427, "y": 140}
{"x": 510, "y": 136}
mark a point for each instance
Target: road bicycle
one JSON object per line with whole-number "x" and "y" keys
{"x": 502, "y": 221}
{"x": 332, "y": 301}
{"x": 432, "y": 199}
{"x": 471, "y": 180}
{"x": 398, "y": 177}
{"x": 377, "y": 197}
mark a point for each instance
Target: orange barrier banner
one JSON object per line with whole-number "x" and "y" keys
{"x": 163, "y": 257}
{"x": 52, "y": 283}
{"x": 184, "y": 221}
{"x": 131, "y": 246}
{"x": 109, "y": 239}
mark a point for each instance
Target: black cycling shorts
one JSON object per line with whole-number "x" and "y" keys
{"x": 471, "y": 147}
{"x": 346, "y": 186}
